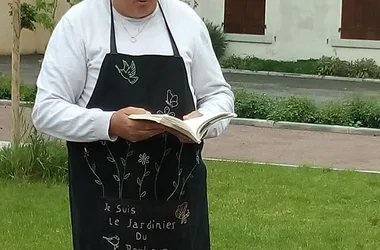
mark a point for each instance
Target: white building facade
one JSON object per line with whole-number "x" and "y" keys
{"x": 298, "y": 29}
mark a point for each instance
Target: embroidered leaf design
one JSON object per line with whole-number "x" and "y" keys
{"x": 143, "y": 194}
{"x": 123, "y": 161}
{"x": 126, "y": 176}
{"x": 157, "y": 167}
{"x": 180, "y": 171}
{"x": 98, "y": 182}
{"x": 130, "y": 153}
{"x": 167, "y": 151}
{"x": 94, "y": 167}
{"x": 110, "y": 159}
{"x": 138, "y": 181}
{"x": 166, "y": 110}
{"x": 171, "y": 100}
{"x": 116, "y": 177}
{"x": 177, "y": 154}
{"x": 175, "y": 184}
{"x": 183, "y": 192}
{"x": 147, "y": 173}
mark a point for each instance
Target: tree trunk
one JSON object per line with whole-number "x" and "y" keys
{"x": 16, "y": 117}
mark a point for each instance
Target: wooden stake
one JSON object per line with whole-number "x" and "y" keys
{"x": 16, "y": 124}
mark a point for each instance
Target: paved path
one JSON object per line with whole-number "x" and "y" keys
{"x": 316, "y": 89}
{"x": 278, "y": 146}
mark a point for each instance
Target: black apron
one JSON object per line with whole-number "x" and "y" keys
{"x": 148, "y": 195}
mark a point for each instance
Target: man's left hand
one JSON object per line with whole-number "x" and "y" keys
{"x": 192, "y": 115}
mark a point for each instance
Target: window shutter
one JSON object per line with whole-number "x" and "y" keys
{"x": 245, "y": 16}
{"x": 234, "y": 16}
{"x": 255, "y": 17}
{"x": 360, "y": 19}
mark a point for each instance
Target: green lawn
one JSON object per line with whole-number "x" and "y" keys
{"x": 252, "y": 207}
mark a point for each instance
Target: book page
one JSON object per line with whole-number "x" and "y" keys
{"x": 200, "y": 124}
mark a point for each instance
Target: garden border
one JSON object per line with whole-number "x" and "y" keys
{"x": 292, "y": 165}
{"x": 305, "y": 126}
{"x": 297, "y": 75}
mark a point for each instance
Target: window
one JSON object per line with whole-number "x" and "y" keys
{"x": 360, "y": 19}
{"x": 245, "y": 17}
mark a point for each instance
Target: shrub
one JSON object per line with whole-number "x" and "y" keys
{"x": 5, "y": 87}
{"x": 335, "y": 113}
{"x": 38, "y": 159}
{"x": 364, "y": 68}
{"x": 332, "y": 66}
{"x": 27, "y": 92}
{"x": 295, "y": 109}
{"x": 364, "y": 113}
{"x": 253, "y": 105}
{"x": 218, "y": 38}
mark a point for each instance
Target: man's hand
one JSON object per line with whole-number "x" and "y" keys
{"x": 192, "y": 115}
{"x": 181, "y": 137}
{"x": 122, "y": 126}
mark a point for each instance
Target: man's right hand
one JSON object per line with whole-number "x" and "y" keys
{"x": 134, "y": 131}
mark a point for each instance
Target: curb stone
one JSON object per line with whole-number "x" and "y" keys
{"x": 296, "y": 75}
{"x": 7, "y": 103}
{"x": 292, "y": 165}
{"x": 280, "y": 124}
{"x": 306, "y": 126}
{"x": 4, "y": 144}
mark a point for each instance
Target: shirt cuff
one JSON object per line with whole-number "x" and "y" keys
{"x": 102, "y": 122}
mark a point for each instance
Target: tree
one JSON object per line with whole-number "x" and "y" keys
{"x": 26, "y": 16}
{"x": 16, "y": 25}
{"x": 42, "y": 12}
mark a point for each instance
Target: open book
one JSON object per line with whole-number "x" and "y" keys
{"x": 195, "y": 128}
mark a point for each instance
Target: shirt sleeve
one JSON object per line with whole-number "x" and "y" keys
{"x": 213, "y": 93}
{"x": 60, "y": 84}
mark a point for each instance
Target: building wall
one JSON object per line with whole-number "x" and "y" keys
{"x": 296, "y": 29}
{"x": 31, "y": 42}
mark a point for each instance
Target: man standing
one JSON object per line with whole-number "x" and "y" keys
{"x": 133, "y": 184}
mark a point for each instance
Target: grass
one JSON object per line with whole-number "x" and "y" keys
{"x": 251, "y": 207}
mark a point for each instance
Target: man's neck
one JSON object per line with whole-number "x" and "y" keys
{"x": 134, "y": 8}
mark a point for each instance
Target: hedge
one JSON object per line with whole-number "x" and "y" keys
{"x": 27, "y": 92}
{"x": 325, "y": 66}
{"x": 358, "y": 112}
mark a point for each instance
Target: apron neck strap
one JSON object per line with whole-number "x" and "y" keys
{"x": 113, "y": 46}
{"x": 113, "y": 37}
{"x": 172, "y": 41}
